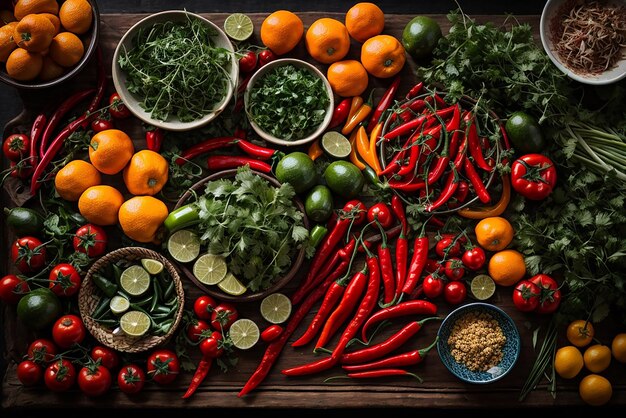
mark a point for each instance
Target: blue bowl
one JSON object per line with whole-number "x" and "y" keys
{"x": 510, "y": 350}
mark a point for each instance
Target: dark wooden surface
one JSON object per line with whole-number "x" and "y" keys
{"x": 440, "y": 390}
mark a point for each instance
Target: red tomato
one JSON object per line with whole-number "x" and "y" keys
{"x": 526, "y": 296}
{"x": 474, "y": 258}
{"x": 433, "y": 266}
{"x": 60, "y": 375}
{"x": 21, "y": 170}
{"x": 118, "y": 109}
{"x": 455, "y": 292}
{"x": 453, "y": 269}
{"x": 433, "y": 286}
{"x": 550, "y": 296}
{"x": 107, "y": 356}
{"x": 12, "y": 288}
{"x": 163, "y": 366}
{"x": 29, "y": 373}
{"x": 383, "y": 213}
{"x": 266, "y": 56}
{"x": 247, "y": 62}
{"x": 196, "y": 329}
{"x": 131, "y": 379}
{"x": 447, "y": 246}
{"x": 42, "y": 351}
{"x": 28, "y": 254}
{"x": 64, "y": 280}
{"x": 212, "y": 346}
{"x": 90, "y": 239}
{"x": 15, "y": 147}
{"x": 102, "y": 123}
{"x": 358, "y": 209}
{"x": 94, "y": 380}
{"x": 533, "y": 176}
{"x": 203, "y": 306}
{"x": 68, "y": 330}
{"x": 223, "y": 316}
{"x": 272, "y": 332}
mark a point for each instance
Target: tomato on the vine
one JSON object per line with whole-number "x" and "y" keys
{"x": 433, "y": 286}
{"x": 203, "y": 306}
{"x": 266, "y": 56}
{"x": 212, "y": 346}
{"x": 433, "y": 266}
{"x": 108, "y": 357}
{"x": 102, "y": 122}
{"x": 357, "y": 209}
{"x": 526, "y": 296}
{"x": 550, "y": 296}
{"x": 247, "y": 62}
{"x": 21, "y": 170}
{"x": 163, "y": 366}
{"x": 117, "y": 107}
{"x": 580, "y": 332}
{"x": 12, "y": 288}
{"x": 90, "y": 239}
{"x": 448, "y": 246}
{"x": 455, "y": 292}
{"x": 94, "y": 379}
{"x": 196, "y": 328}
{"x": 223, "y": 316}
{"x": 474, "y": 258}
{"x": 60, "y": 375}
{"x": 28, "y": 254}
{"x": 29, "y": 373}
{"x": 68, "y": 330}
{"x": 42, "y": 351}
{"x": 64, "y": 280}
{"x": 131, "y": 379}
{"x": 453, "y": 269}
{"x": 381, "y": 212}
{"x": 16, "y": 146}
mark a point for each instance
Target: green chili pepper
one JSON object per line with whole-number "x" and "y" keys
{"x": 168, "y": 291}
{"x": 182, "y": 217}
{"x": 317, "y": 234}
{"x": 117, "y": 272}
{"x": 372, "y": 177}
{"x": 101, "y": 308}
{"x": 105, "y": 285}
{"x": 156, "y": 295}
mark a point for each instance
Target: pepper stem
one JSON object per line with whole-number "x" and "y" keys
{"x": 424, "y": 351}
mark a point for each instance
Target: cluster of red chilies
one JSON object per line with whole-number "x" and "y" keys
{"x": 353, "y": 302}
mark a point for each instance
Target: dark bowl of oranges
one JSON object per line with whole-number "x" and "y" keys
{"x": 46, "y": 42}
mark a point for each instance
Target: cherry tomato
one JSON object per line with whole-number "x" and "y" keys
{"x": 383, "y": 213}
{"x": 12, "y": 288}
{"x": 580, "y": 332}
{"x": 42, "y": 351}
{"x": 550, "y": 296}
{"x": 359, "y": 210}
{"x": 131, "y": 379}
{"x": 163, "y": 366}
{"x": 21, "y": 170}
{"x": 29, "y": 373}
{"x": 266, "y": 56}
{"x": 90, "y": 239}
{"x": 60, "y": 375}
{"x": 28, "y": 254}
{"x": 433, "y": 266}
{"x": 196, "y": 328}
{"x": 526, "y": 296}
{"x": 447, "y": 246}
{"x": 212, "y": 346}
{"x": 102, "y": 122}
{"x": 454, "y": 269}
{"x": 272, "y": 332}
{"x": 247, "y": 62}
{"x": 433, "y": 286}
{"x": 94, "y": 380}
{"x": 474, "y": 258}
{"x": 64, "y": 280}
{"x": 533, "y": 176}
{"x": 68, "y": 330}
{"x": 118, "y": 109}
{"x": 223, "y": 316}
{"x": 203, "y": 306}
{"x": 455, "y": 292}
{"x": 15, "y": 147}
{"x": 108, "y": 357}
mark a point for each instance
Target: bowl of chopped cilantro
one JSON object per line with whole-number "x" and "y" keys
{"x": 289, "y": 102}
{"x": 175, "y": 70}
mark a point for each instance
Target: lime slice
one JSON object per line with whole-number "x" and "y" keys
{"x": 184, "y": 245}
{"x": 244, "y": 333}
{"x": 336, "y": 145}
{"x": 231, "y": 285}
{"x": 483, "y": 287}
{"x": 135, "y": 280}
{"x": 210, "y": 269}
{"x": 238, "y": 26}
{"x": 276, "y": 308}
{"x": 119, "y": 304}
{"x": 135, "y": 323}
{"x": 152, "y": 266}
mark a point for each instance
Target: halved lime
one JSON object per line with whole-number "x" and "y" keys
{"x": 184, "y": 245}
{"x": 238, "y": 26}
{"x": 210, "y": 269}
{"x": 244, "y": 333}
{"x": 135, "y": 323}
{"x": 231, "y": 285}
{"x": 119, "y": 304}
{"x": 483, "y": 287}
{"x": 135, "y": 280}
{"x": 336, "y": 145}
{"x": 276, "y": 308}
{"x": 152, "y": 266}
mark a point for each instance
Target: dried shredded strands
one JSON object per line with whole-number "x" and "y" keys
{"x": 476, "y": 340}
{"x": 589, "y": 37}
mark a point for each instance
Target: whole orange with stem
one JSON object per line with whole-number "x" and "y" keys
{"x": 281, "y": 31}
{"x": 141, "y": 218}
{"x": 7, "y": 44}
{"x": 110, "y": 150}
{"x": 146, "y": 173}
{"x": 383, "y": 56}
{"x": 100, "y": 204}
{"x": 34, "y": 33}
{"x": 365, "y": 20}
{"x": 580, "y": 332}
{"x": 494, "y": 233}
{"x": 348, "y": 78}
{"x": 76, "y": 16}
{"x": 74, "y": 178}
{"x": 66, "y": 49}
{"x": 26, "y": 7}
{"x": 507, "y": 267}
{"x": 327, "y": 40}
{"x": 23, "y": 65}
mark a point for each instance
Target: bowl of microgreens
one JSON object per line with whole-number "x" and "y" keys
{"x": 175, "y": 70}
{"x": 289, "y": 102}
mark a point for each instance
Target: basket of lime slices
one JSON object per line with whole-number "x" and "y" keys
{"x": 132, "y": 299}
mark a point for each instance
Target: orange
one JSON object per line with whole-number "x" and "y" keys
{"x": 364, "y": 20}
{"x": 595, "y": 390}
{"x": 348, "y": 78}
{"x": 568, "y": 362}
{"x": 507, "y": 267}
{"x": 50, "y": 69}
{"x": 281, "y": 31}
{"x": 7, "y": 44}
{"x": 383, "y": 56}
{"x": 26, "y": 7}
{"x": 146, "y": 173}
{"x": 580, "y": 332}
{"x": 76, "y": 16}
{"x": 54, "y": 19}
{"x": 23, "y": 65}
{"x": 141, "y": 218}
{"x": 66, "y": 49}
{"x": 34, "y": 33}
{"x": 100, "y": 204}
{"x": 76, "y": 177}
{"x": 6, "y": 16}
{"x": 494, "y": 233}
{"x": 597, "y": 358}
{"x": 618, "y": 347}
{"x": 327, "y": 40}
{"x": 110, "y": 150}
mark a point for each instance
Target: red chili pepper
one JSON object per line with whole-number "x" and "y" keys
{"x": 198, "y": 377}
{"x": 397, "y": 207}
{"x": 257, "y": 151}
{"x": 415, "y": 90}
{"x": 272, "y": 332}
{"x": 154, "y": 139}
{"x": 225, "y": 162}
{"x": 462, "y": 191}
{"x": 384, "y": 104}
{"x": 36, "y": 131}
{"x": 410, "y": 358}
{"x": 476, "y": 181}
{"x": 418, "y": 261}
{"x": 447, "y": 191}
{"x": 474, "y": 143}
{"x": 402, "y": 251}
{"x": 411, "y": 307}
{"x": 374, "y": 374}
{"x": 452, "y": 127}
{"x": 396, "y": 162}
{"x": 340, "y": 114}
{"x": 406, "y": 127}
{"x": 205, "y": 146}
{"x": 386, "y": 268}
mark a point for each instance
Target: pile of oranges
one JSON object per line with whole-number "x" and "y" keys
{"x": 41, "y": 40}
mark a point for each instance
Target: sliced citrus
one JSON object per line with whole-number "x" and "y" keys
{"x": 152, "y": 266}
{"x": 119, "y": 304}
{"x": 184, "y": 245}
{"x": 483, "y": 287}
{"x": 135, "y": 280}
{"x": 135, "y": 323}
{"x": 210, "y": 269}
{"x": 244, "y": 333}
{"x": 336, "y": 144}
{"x": 238, "y": 26}
{"x": 276, "y": 308}
{"x": 231, "y": 285}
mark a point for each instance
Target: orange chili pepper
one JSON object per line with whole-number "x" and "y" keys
{"x": 315, "y": 150}
{"x": 374, "y": 136}
{"x": 353, "y": 154}
{"x": 489, "y": 211}
{"x": 357, "y": 117}
{"x": 357, "y": 102}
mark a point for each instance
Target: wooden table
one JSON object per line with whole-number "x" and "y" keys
{"x": 439, "y": 389}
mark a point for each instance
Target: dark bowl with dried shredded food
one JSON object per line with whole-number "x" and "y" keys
{"x": 586, "y": 39}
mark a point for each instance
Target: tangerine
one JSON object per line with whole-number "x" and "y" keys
{"x": 281, "y": 31}
{"x": 74, "y": 178}
{"x": 383, "y": 56}
{"x": 100, "y": 204}
{"x": 110, "y": 150}
{"x": 327, "y": 40}
{"x": 348, "y": 78}
{"x": 364, "y": 20}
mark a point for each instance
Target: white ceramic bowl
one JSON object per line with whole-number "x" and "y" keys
{"x": 613, "y": 75}
{"x": 298, "y": 63}
{"x": 172, "y": 123}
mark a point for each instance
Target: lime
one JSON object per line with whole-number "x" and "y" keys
{"x": 184, "y": 245}
{"x": 231, "y": 285}
{"x": 483, "y": 287}
{"x": 152, "y": 266}
{"x": 135, "y": 323}
{"x": 38, "y": 308}
{"x": 420, "y": 36}
{"x": 244, "y": 333}
{"x": 210, "y": 269}
{"x": 119, "y": 304}
{"x": 276, "y": 308}
{"x": 524, "y": 133}
{"x": 344, "y": 179}
{"x": 319, "y": 203}
{"x": 297, "y": 169}
{"x": 135, "y": 280}
{"x": 238, "y": 26}
{"x": 336, "y": 145}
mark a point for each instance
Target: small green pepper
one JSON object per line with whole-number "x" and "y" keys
{"x": 105, "y": 285}
{"x": 317, "y": 234}
{"x": 182, "y": 217}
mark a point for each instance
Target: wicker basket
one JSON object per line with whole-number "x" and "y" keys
{"x": 89, "y": 298}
